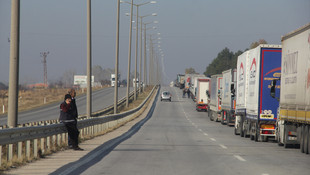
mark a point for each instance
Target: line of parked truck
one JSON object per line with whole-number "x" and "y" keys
{"x": 266, "y": 97}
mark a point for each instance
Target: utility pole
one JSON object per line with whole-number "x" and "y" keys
{"x": 44, "y": 55}
{"x": 89, "y": 61}
{"x": 116, "y": 57}
{"x": 14, "y": 64}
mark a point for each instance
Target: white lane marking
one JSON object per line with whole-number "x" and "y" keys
{"x": 223, "y": 146}
{"x": 213, "y": 139}
{"x": 205, "y": 134}
{"x": 200, "y": 130}
{"x": 239, "y": 158}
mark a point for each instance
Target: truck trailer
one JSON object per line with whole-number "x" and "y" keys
{"x": 203, "y": 95}
{"x": 215, "y": 100}
{"x": 242, "y": 88}
{"x": 258, "y": 118}
{"x": 228, "y": 96}
{"x": 293, "y": 124}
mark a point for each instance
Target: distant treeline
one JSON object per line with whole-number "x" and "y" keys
{"x": 227, "y": 59}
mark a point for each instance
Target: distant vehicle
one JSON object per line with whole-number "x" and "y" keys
{"x": 202, "y": 95}
{"x": 165, "y": 96}
{"x": 180, "y": 81}
{"x": 135, "y": 83}
{"x": 113, "y": 80}
{"x": 228, "y": 96}
{"x": 214, "y": 111}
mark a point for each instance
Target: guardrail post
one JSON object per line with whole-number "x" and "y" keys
{"x": 54, "y": 143}
{"x": 58, "y": 139}
{"x": 48, "y": 143}
{"x": 10, "y": 152}
{"x": 20, "y": 150}
{"x": 0, "y": 155}
{"x": 63, "y": 140}
{"x": 42, "y": 147}
{"x": 35, "y": 148}
{"x": 28, "y": 149}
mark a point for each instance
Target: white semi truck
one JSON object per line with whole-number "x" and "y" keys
{"x": 228, "y": 96}
{"x": 215, "y": 100}
{"x": 112, "y": 80}
{"x": 202, "y": 94}
{"x": 256, "y": 111}
{"x": 293, "y": 124}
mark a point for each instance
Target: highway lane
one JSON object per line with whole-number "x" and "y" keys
{"x": 179, "y": 140}
{"x": 100, "y": 99}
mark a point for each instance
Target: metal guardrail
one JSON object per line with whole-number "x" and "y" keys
{"x": 52, "y": 135}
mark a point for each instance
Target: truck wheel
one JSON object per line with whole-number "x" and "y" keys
{"x": 302, "y": 139}
{"x": 245, "y": 131}
{"x": 210, "y": 115}
{"x": 306, "y": 139}
{"x": 256, "y": 135}
{"x": 252, "y": 135}
{"x": 241, "y": 128}
{"x": 285, "y": 139}
{"x": 222, "y": 115}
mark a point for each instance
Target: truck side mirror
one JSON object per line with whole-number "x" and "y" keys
{"x": 232, "y": 89}
{"x": 208, "y": 94}
{"x": 273, "y": 88}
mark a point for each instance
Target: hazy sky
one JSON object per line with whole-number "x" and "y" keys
{"x": 193, "y": 32}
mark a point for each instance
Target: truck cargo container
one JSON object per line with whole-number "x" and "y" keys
{"x": 228, "y": 97}
{"x": 242, "y": 88}
{"x": 293, "y": 124}
{"x": 215, "y": 100}
{"x": 202, "y": 95}
{"x": 180, "y": 81}
{"x": 194, "y": 84}
{"x": 263, "y": 65}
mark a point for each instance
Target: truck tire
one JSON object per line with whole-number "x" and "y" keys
{"x": 256, "y": 135}
{"x": 245, "y": 131}
{"x": 210, "y": 115}
{"x": 241, "y": 128}
{"x": 306, "y": 139}
{"x": 285, "y": 139}
{"x": 228, "y": 118}
{"x": 222, "y": 121}
{"x": 302, "y": 139}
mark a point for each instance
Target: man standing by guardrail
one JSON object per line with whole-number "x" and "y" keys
{"x": 68, "y": 118}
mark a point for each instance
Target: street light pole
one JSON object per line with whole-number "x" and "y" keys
{"x": 135, "y": 84}
{"x": 140, "y": 71}
{"x": 129, "y": 55}
{"x": 136, "y": 55}
{"x": 116, "y": 58}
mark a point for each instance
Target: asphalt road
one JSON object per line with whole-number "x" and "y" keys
{"x": 179, "y": 140}
{"x": 100, "y": 99}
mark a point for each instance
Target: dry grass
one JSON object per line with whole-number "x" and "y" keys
{"x": 33, "y": 98}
